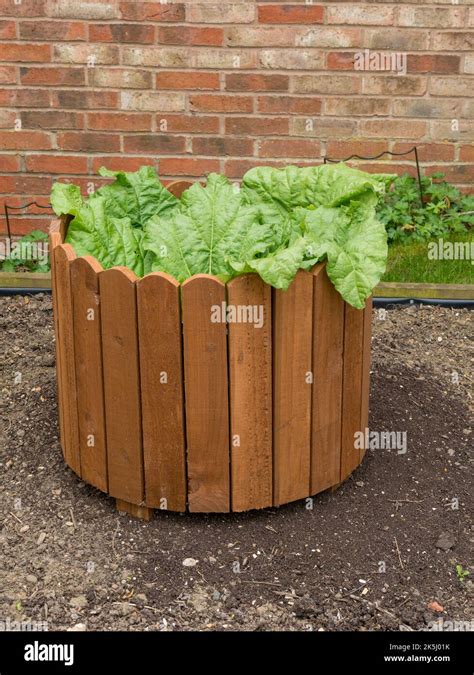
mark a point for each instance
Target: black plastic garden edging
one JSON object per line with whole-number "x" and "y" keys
{"x": 377, "y": 302}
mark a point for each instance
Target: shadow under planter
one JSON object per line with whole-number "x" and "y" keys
{"x": 205, "y": 396}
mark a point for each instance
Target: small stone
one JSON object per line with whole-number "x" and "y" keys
{"x": 445, "y": 541}
{"x": 77, "y": 628}
{"x": 78, "y": 602}
{"x": 24, "y": 529}
{"x": 190, "y": 562}
{"x": 41, "y": 538}
{"x": 31, "y": 579}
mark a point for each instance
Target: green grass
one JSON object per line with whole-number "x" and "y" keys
{"x": 410, "y": 263}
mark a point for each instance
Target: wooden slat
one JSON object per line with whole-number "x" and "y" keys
{"x": 161, "y": 375}
{"x": 351, "y": 388}
{"x": 55, "y": 240}
{"x": 366, "y": 357}
{"x": 328, "y": 337}
{"x": 121, "y": 384}
{"x": 135, "y": 510}
{"x": 292, "y": 388}
{"x": 63, "y": 255}
{"x": 89, "y": 377}
{"x": 206, "y": 391}
{"x": 250, "y": 373}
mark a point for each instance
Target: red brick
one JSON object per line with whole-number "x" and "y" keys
{"x": 24, "y": 140}
{"x": 186, "y": 35}
{"x": 454, "y": 173}
{"x": 222, "y": 146}
{"x": 119, "y": 33}
{"x": 159, "y": 142}
{"x": 290, "y": 14}
{"x": 7, "y": 119}
{"x": 122, "y": 163}
{"x": 187, "y": 80}
{"x": 64, "y": 164}
{"x": 7, "y": 30}
{"x": 152, "y": 11}
{"x": 325, "y": 128}
{"x": 105, "y": 121}
{"x": 340, "y": 60}
{"x": 255, "y": 126}
{"x": 289, "y": 148}
{"x": 349, "y": 106}
{"x": 10, "y": 164}
{"x": 192, "y": 124}
{"x": 88, "y": 141}
{"x": 51, "y": 119}
{"x": 25, "y": 98}
{"x": 386, "y": 167}
{"x": 428, "y": 152}
{"x": 188, "y": 166}
{"x": 433, "y": 63}
{"x": 25, "y": 184}
{"x": 343, "y": 149}
{"x": 52, "y": 76}
{"x": 217, "y": 103}
{"x": 236, "y": 168}
{"x": 257, "y": 82}
{"x": 25, "y": 8}
{"x": 289, "y": 104}
{"x": 73, "y": 98}
{"x": 7, "y": 75}
{"x": 24, "y": 224}
{"x": 393, "y": 128}
{"x": 24, "y": 52}
{"x": 466, "y": 153}
{"x": 53, "y": 30}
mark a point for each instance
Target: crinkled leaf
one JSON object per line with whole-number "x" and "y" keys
{"x": 355, "y": 244}
{"x": 112, "y": 241}
{"x": 137, "y": 196}
{"x": 212, "y": 228}
{"x": 328, "y": 185}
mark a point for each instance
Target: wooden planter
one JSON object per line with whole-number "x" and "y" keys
{"x": 161, "y": 407}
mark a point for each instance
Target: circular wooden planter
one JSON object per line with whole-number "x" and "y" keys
{"x": 164, "y": 405}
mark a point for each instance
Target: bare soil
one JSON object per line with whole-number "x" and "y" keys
{"x": 373, "y": 555}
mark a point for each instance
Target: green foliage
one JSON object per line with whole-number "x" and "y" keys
{"x": 281, "y": 220}
{"x": 461, "y": 573}
{"x": 28, "y": 253}
{"x": 445, "y": 210}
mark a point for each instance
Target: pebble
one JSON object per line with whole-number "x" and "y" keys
{"x": 190, "y": 562}
{"x": 78, "y": 602}
{"x": 31, "y": 579}
{"x": 77, "y": 628}
{"x": 445, "y": 541}
{"x": 41, "y": 538}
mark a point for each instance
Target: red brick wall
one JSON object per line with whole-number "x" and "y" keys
{"x": 192, "y": 87}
